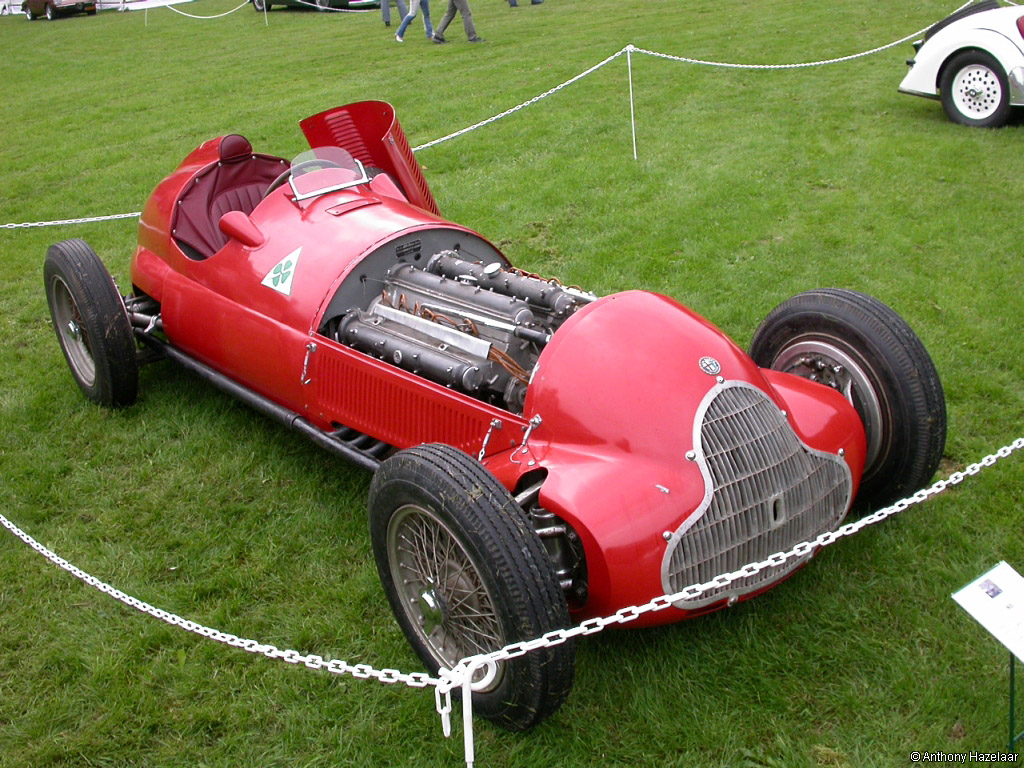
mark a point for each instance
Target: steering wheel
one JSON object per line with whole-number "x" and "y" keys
{"x": 316, "y": 163}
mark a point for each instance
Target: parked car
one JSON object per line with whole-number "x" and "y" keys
{"x": 321, "y": 5}
{"x": 542, "y": 455}
{"x": 51, "y": 9}
{"x": 973, "y": 61}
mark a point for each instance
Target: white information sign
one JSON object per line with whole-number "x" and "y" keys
{"x": 996, "y": 601}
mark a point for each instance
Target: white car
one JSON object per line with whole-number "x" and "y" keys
{"x": 973, "y": 61}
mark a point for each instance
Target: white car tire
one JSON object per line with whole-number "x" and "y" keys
{"x": 975, "y": 90}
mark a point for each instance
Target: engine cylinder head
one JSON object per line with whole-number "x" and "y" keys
{"x": 549, "y": 296}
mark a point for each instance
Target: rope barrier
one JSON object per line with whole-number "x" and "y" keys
{"x": 461, "y": 675}
{"x": 527, "y": 103}
{"x": 335, "y": 10}
{"x": 204, "y": 18}
{"x": 629, "y": 49}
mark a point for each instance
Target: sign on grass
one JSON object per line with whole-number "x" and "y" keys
{"x": 996, "y": 601}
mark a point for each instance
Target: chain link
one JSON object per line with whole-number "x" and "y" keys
{"x": 85, "y": 220}
{"x": 311, "y": 661}
{"x": 461, "y": 674}
{"x": 802, "y": 549}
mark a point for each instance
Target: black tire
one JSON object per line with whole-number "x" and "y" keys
{"x": 28, "y": 13}
{"x": 975, "y": 90}
{"x": 884, "y": 370}
{"x": 432, "y": 507}
{"x": 323, "y": 5}
{"x": 261, "y": 5}
{"x": 51, "y": 12}
{"x": 91, "y": 323}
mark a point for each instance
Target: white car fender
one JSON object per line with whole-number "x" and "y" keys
{"x": 923, "y": 77}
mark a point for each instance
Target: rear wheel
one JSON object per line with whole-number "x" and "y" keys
{"x": 857, "y": 345}
{"x": 51, "y": 12}
{"x": 466, "y": 574}
{"x": 28, "y": 13}
{"x": 91, "y": 323}
{"x": 261, "y": 5}
{"x": 975, "y": 90}
{"x": 323, "y": 5}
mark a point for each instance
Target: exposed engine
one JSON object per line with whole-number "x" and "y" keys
{"x": 473, "y": 327}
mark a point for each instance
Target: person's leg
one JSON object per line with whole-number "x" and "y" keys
{"x": 445, "y": 21}
{"x": 467, "y": 18}
{"x": 405, "y": 23}
{"x": 425, "y": 5}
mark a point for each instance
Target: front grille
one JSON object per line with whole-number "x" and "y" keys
{"x": 764, "y": 492}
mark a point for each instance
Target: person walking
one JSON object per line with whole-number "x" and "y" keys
{"x": 385, "y": 10}
{"x": 425, "y": 5}
{"x": 462, "y": 6}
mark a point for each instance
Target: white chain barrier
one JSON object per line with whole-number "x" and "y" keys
{"x": 86, "y": 220}
{"x": 312, "y": 661}
{"x": 629, "y": 49}
{"x": 461, "y": 675}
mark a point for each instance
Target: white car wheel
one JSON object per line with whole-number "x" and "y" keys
{"x": 975, "y": 90}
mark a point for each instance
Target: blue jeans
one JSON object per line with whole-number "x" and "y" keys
{"x": 385, "y": 10}
{"x": 425, "y": 5}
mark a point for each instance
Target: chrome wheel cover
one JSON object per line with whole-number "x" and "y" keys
{"x": 822, "y": 361}
{"x": 441, "y": 590}
{"x": 976, "y": 92}
{"x": 73, "y": 337}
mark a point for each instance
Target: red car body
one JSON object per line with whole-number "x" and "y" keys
{"x": 616, "y": 410}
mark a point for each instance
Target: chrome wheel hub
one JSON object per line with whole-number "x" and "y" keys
{"x": 828, "y": 364}
{"x": 429, "y": 605}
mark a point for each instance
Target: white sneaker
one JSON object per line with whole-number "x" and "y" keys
{"x": 398, "y": 39}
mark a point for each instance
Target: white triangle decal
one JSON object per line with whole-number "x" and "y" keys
{"x": 280, "y": 277}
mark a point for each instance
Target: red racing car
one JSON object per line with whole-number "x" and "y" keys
{"x": 541, "y": 455}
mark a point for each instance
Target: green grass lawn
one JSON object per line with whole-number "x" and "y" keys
{"x": 750, "y": 186}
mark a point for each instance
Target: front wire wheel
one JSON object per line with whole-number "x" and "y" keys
{"x": 975, "y": 90}
{"x": 91, "y": 323}
{"x": 465, "y": 574}
{"x": 453, "y": 610}
{"x": 857, "y": 345}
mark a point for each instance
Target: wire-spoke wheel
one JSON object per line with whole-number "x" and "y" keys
{"x": 466, "y": 574}
{"x": 975, "y": 90}
{"x": 91, "y": 323}
{"x": 453, "y": 611}
{"x": 860, "y": 347}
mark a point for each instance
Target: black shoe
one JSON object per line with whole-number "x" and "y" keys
{"x": 387, "y": 23}
{"x": 536, "y": 2}
{"x": 439, "y": 39}
{"x": 513, "y": 4}
{"x": 478, "y": 40}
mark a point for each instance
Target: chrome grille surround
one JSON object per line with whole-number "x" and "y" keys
{"x": 765, "y": 491}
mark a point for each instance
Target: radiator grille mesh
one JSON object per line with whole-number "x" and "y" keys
{"x": 766, "y": 491}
